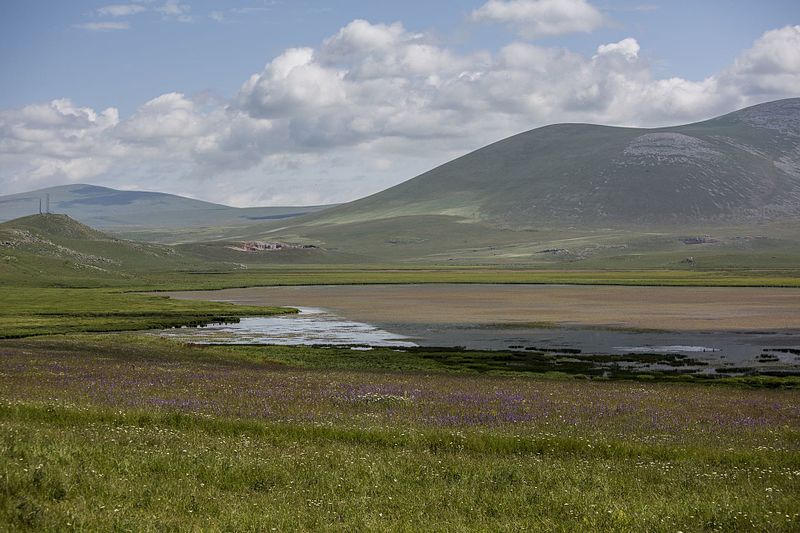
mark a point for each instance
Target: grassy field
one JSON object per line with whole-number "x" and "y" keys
{"x": 405, "y": 275}
{"x": 45, "y": 311}
{"x": 46, "y": 301}
{"x": 123, "y": 431}
{"x": 44, "y": 304}
{"x": 150, "y": 435}
{"x": 131, "y": 432}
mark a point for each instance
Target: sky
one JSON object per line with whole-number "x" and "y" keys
{"x": 268, "y": 102}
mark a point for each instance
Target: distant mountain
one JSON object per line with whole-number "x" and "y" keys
{"x": 744, "y": 166}
{"x": 130, "y": 211}
{"x": 719, "y": 193}
{"x": 580, "y": 192}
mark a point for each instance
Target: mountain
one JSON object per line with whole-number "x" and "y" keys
{"x": 739, "y": 167}
{"x": 574, "y": 192}
{"x": 141, "y": 213}
{"x": 719, "y": 193}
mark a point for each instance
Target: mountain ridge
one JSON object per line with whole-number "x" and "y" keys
{"x": 744, "y": 165}
{"x": 721, "y": 192}
{"x": 117, "y": 210}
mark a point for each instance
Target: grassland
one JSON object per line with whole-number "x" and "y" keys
{"x": 46, "y": 311}
{"x": 59, "y": 276}
{"x": 47, "y": 303}
{"x": 130, "y": 432}
{"x": 145, "y": 434}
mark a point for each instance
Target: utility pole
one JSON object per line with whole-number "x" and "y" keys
{"x": 40, "y": 205}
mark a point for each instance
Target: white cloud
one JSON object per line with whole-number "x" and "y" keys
{"x": 176, "y": 10}
{"x": 168, "y": 116}
{"x": 171, "y": 9}
{"x": 120, "y": 10}
{"x": 372, "y": 105}
{"x": 771, "y": 65}
{"x": 290, "y": 81}
{"x": 103, "y": 26}
{"x": 627, "y": 48}
{"x": 533, "y": 19}
{"x": 59, "y": 139}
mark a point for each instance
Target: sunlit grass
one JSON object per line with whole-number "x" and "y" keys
{"x": 148, "y": 436}
{"x": 42, "y": 311}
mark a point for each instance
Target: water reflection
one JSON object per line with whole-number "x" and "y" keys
{"x": 311, "y": 326}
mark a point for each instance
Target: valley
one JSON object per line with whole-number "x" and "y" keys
{"x": 613, "y": 309}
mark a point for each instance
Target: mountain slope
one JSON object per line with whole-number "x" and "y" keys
{"x": 743, "y": 166}
{"x": 128, "y": 211}
{"x": 56, "y": 250}
{"x": 727, "y": 188}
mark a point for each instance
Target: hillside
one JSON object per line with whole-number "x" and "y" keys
{"x": 578, "y": 192}
{"x": 720, "y": 193}
{"x": 57, "y": 248}
{"x": 148, "y": 215}
{"x": 744, "y": 166}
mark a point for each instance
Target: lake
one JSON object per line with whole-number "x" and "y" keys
{"x": 744, "y": 327}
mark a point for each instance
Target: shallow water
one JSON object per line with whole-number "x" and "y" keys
{"x": 310, "y": 327}
{"x": 314, "y": 326}
{"x": 717, "y": 349}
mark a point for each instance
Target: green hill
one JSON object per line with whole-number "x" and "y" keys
{"x": 57, "y": 248}
{"x": 741, "y": 167}
{"x": 715, "y": 194}
{"x": 726, "y": 190}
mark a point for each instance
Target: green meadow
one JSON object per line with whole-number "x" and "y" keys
{"x": 105, "y": 426}
{"x": 146, "y": 434}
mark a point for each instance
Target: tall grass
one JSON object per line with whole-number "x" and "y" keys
{"x": 97, "y": 436}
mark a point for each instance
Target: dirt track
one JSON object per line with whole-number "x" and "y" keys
{"x": 670, "y": 308}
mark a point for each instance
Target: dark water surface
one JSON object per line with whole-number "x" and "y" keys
{"x": 728, "y": 351}
{"x": 718, "y": 349}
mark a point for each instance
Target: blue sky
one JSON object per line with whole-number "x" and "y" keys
{"x": 43, "y": 55}
{"x": 285, "y": 130}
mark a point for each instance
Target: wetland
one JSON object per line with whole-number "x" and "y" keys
{"x": 704, "y": 330}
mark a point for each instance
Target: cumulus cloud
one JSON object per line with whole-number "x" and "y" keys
{"x": 770, "y": 66}
{"x": 372, "y": 105}
{"x": 627, "y": 48}
{"x": 56, "y": 140}
{"x": 533, "y": 19}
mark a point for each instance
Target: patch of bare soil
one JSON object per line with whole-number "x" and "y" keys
{"x": 667, "y": 308}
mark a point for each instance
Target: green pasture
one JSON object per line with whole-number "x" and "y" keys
{"x": 79, "y": 451}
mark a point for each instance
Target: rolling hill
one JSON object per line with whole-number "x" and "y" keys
{"x": 57, "y": 251}
{"x": 744, "y": 166}
{"x": 725, "y": 187}
{"x": 144, "y": 215}
{"x": 66, "y": 252}
{"x": 720, "y": 193}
